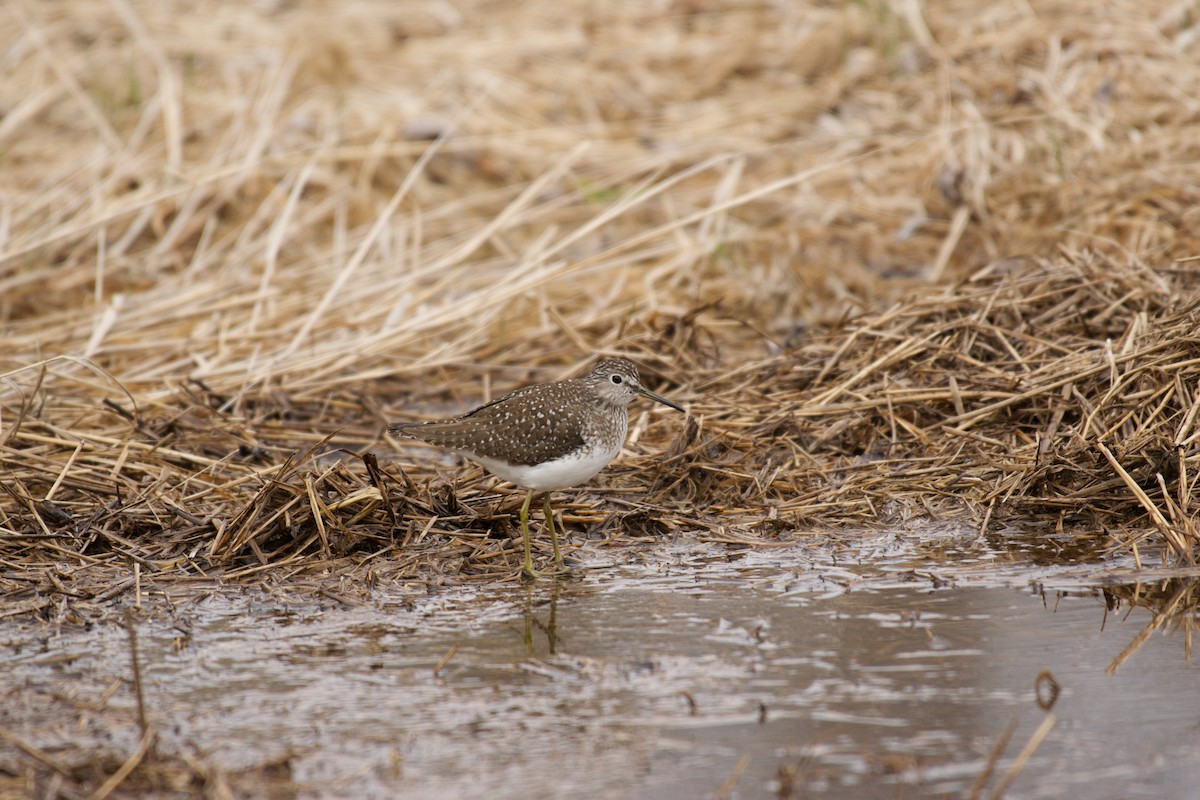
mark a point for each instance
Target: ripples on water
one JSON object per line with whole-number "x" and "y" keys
{"x": 697, "y": 676}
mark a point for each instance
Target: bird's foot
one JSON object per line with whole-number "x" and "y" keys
{"x": 530, "y": 574}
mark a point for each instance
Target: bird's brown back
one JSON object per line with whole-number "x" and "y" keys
{"x": 528, "y": 426}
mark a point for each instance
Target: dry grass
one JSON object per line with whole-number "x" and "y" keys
{"x": 901, "y": 265}
{"x": 903, "y": 262}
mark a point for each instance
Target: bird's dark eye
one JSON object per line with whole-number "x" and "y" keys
{"x": 617, "y": 379}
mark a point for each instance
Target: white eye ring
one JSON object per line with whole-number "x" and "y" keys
{"x": 616, "y": 379}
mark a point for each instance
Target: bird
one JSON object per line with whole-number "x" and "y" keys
{"x": 544, "y": 437}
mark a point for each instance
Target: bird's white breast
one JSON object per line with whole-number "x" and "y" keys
{"x": 560, "y": 473}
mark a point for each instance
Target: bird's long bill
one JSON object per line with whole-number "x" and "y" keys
{"x": 647, "y": 393}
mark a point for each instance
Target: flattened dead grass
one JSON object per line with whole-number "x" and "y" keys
{"x": 901, "y": 267}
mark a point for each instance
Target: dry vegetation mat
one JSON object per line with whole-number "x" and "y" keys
{"x": 1055, "y": 397}
{"x": 900, "y": 268}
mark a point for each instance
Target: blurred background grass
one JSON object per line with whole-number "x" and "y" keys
{"x": 294, "y": 195}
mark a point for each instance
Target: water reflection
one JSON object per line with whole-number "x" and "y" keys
{"x": 1173, "y": 602}
{"x": 533, "y": 623}
{"x": 753, "y": 682}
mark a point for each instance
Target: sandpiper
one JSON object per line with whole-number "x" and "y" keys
{"x": 546, "y": 436}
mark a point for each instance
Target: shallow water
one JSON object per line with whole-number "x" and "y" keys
{"x": 720, "y": 678}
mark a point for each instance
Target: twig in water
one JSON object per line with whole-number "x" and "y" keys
{"x": 137, "y": 671}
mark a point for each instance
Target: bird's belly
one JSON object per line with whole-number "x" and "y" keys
{"x": 558, "y": 474}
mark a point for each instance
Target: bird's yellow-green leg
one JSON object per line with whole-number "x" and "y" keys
{"x": 558, "y": 562}
{"x": 527, "y": 567}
